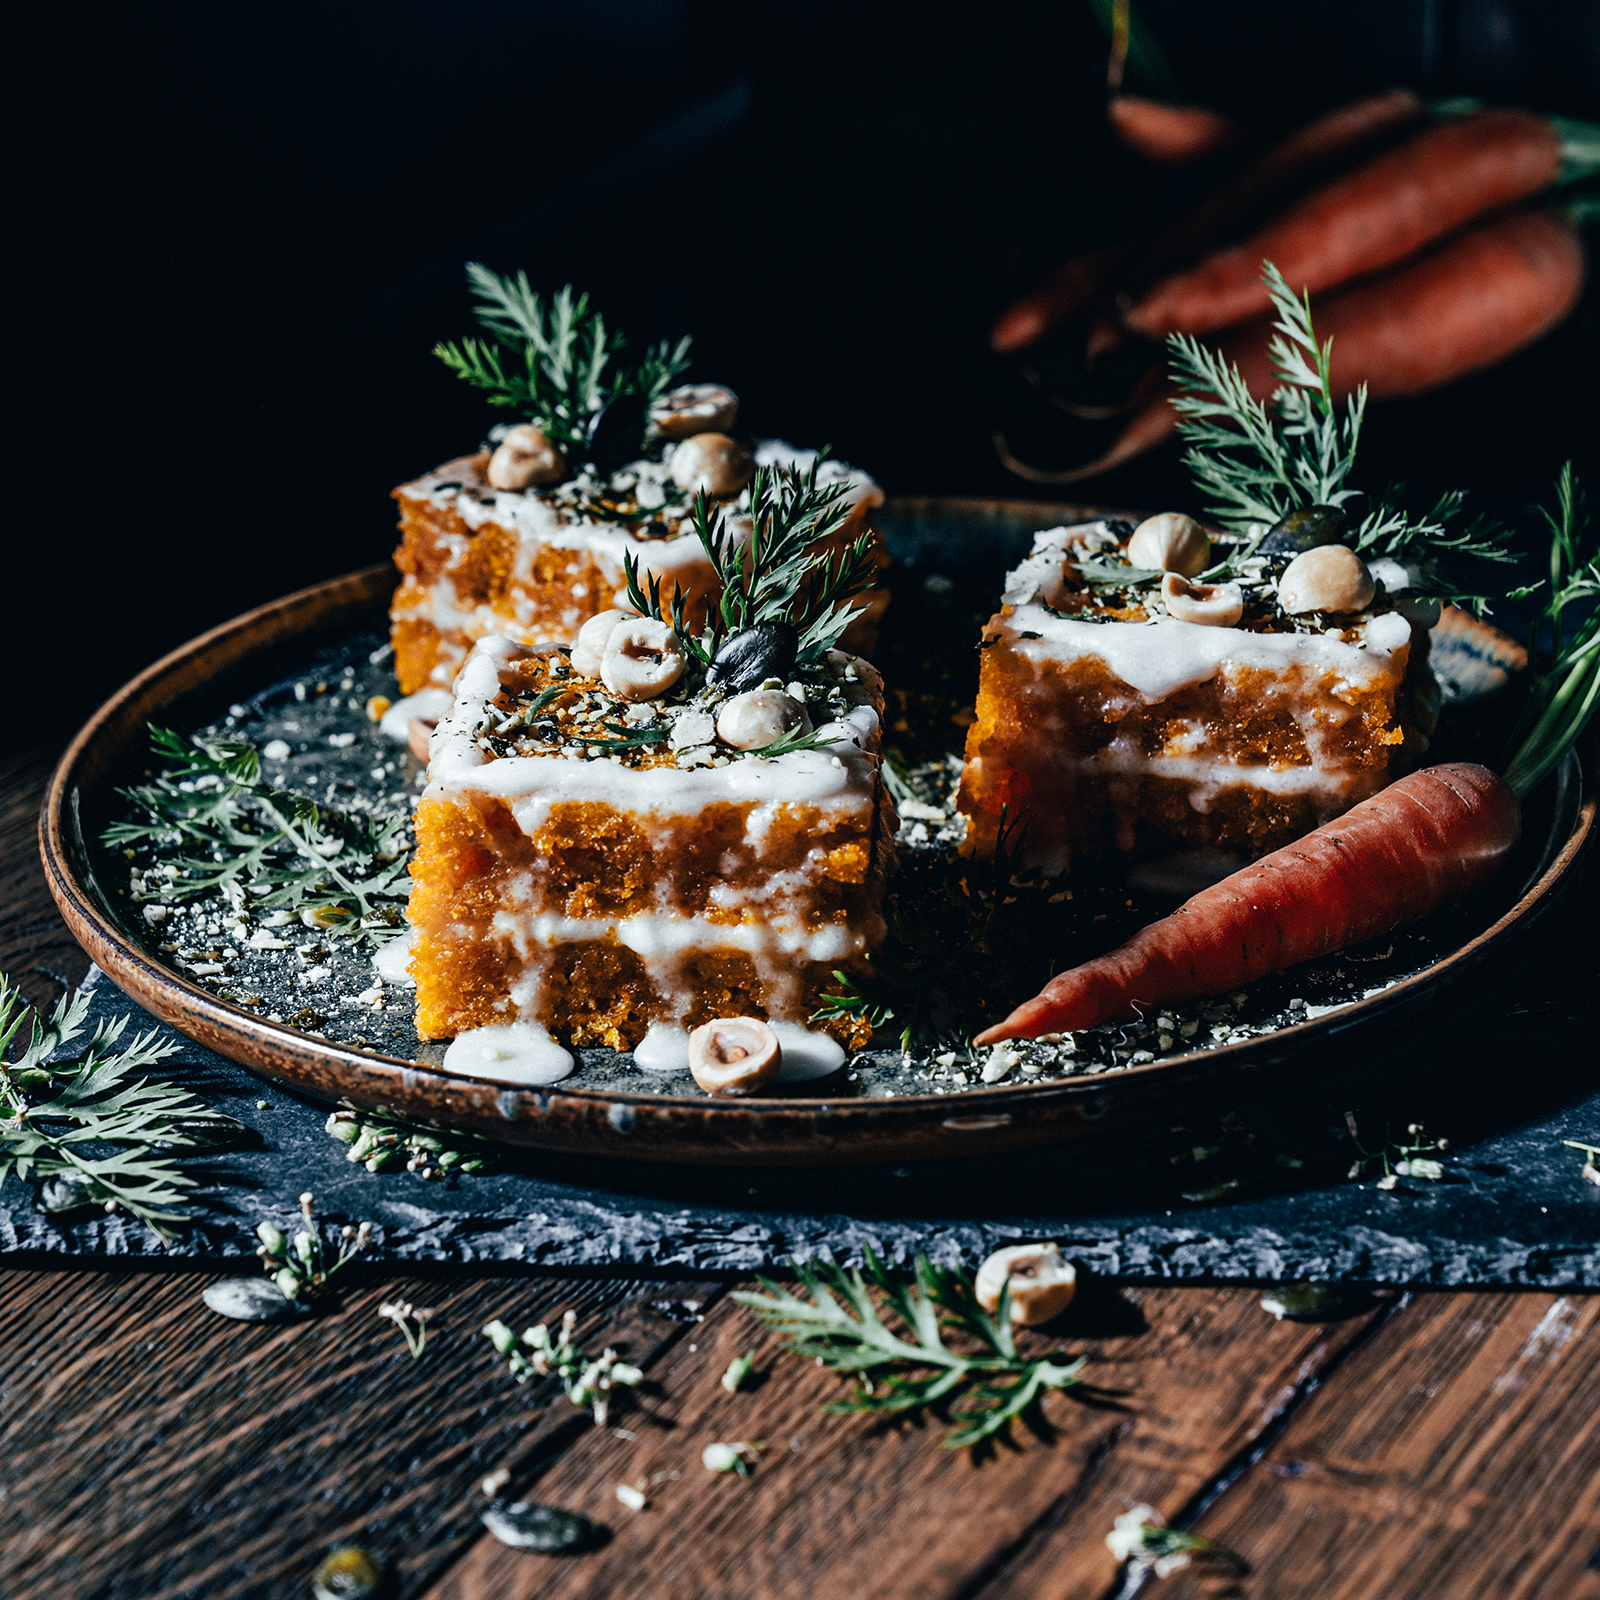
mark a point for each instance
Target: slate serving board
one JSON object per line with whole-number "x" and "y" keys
{"x": 1506, "y": 1078}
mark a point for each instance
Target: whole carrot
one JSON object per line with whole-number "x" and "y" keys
{"x": 1416, "y": 846}
{"x": 1467, "y": 305}
{"x": 1387, "y": 210}
{"x": 1170, "y": 135}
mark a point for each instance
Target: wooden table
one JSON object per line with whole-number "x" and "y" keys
{"x": 1441, "y": 1444}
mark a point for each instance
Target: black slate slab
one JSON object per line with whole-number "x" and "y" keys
{"x": 1258, "y": 1191}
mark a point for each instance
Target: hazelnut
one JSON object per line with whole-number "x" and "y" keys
{"x": 590, "y": 644}
{"x": 1042, "y": 1282}
{"x": 524, "y": 458}
{"x": 1170, "y": 542}
{"x": 419, "y": 731}
{"x": 713, "y": 462}
{"x": 1212, "y": 605}
{"x": 760, "y": 717}
{"x": 642, "y": 659}
{"x": 734, "y": 1055}
{"x": 1329, "y": 578}
{"x": 695, "y": 408}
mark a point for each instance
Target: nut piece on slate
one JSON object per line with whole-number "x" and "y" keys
{"x": 1170, "y": 542}
{"x": 524, "y": 458}
{"x": 642, "y": 659}
{"x": 1304, "y": 529}
{"x": 1329, "y": 578}
{"x": 419, "y": 730}
{"x": 1042, "y": 1282}
{"x": 713, "y": 462}
{"x": 1212, "y": 605}
{"x": 590, "y": 645}
{"x": 760, "y": 717}
{"x": 695, "y": 408}
{"x": 734, "y": 1055}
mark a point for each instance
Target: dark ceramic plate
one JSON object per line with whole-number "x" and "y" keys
{"x": 836, "y": 1123}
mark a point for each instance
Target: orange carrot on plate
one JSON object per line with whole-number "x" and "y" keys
{"x": 1409, "y": 850}
{"x": 1366, "y": 221}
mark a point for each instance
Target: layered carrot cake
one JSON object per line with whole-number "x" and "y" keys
{"x": 1156, "y": 690}
{"x": 662, "y": 824}
{"x": 527, "y": 537}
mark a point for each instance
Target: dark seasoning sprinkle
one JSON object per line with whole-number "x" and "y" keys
{"x": 278, "y": 967}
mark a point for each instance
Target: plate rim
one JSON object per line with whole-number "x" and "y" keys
{"x": 806, "y": 1130}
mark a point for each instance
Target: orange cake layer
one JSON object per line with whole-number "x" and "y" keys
{"x": 596, "y": 895}
{"x": 536, "y": 564}
{"x": 1105, "y": 725}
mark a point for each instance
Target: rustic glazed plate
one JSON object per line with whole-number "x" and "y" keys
{"x": 838, "y": 1125}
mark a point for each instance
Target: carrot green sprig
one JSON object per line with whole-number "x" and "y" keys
{"x": 1567, "y": 692}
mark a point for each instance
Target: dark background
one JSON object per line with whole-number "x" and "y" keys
{"x": 240, "y": 231}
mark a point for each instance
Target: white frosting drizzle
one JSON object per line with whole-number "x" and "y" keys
{"x": 806, "y": 1055}
{"x": 1160, "y": 657}
{"x": 863, "y": 488}
{"x": 664, "y": 1049}
{"x": 430, "y": 704}
{"x": 516, "y": 1052}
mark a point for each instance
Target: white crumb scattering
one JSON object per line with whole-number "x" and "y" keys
{"x": 631, "y": 1497}
{"x": 206, "y": 969}
{"x": 1001, "y": 1060}
{"x": 276, "y": 750}
{"x": 341, "y": 741}
{"x": 262, "y": 940}
{"x": 318, "y": 974}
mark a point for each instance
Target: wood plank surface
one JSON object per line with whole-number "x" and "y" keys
{"x": 154, "y": 1449}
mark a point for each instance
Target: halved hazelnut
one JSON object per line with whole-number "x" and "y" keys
{"x": 1042, "y": 1281}
{"x": 695, "y": 408}
{"x": 525, "y": 458}
{"x": 734, "y": 1055}
{"x": 760, "y": 717}
{"x": 1170, "y": 542}
{"x": 418, "y": 732}
{"x": 642, "y": 659}
{"x": 590, "y": 644}
{"x": 1212, "y": 605}
{"x": 713, "y": 462}
{"x": 1329, "y": 578}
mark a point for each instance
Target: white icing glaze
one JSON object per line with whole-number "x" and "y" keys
{"x": 806, "y": 1055}
{"x": 392, "y": 963}
{"x": 1158, "y": 658}
{"x": 517, "y": 1053}
{"x": 863, "y": 488}
{"x": 429, "y": 704}
{"x": 663, "y": 1050}
{"x": 1039, "y": 574}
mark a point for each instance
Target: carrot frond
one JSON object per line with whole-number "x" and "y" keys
{"x": 1567, "y": 693}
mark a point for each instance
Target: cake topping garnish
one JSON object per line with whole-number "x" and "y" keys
{"x": 1212, "y": 605}
{"x": 765, "y": 651}
{"x": 712, "y": 463}
{"x": 1329, "y": 577}
{"x": 524, "y": 459}
{"x": 695, "y": 408}
{"x": 561, "y": 371}
{"x": 591, "y": 642}
{"x": 1170, "y": 542}
{"x": 642, "y": 659}
{"x": 1305, "y": 529}
{"x": 734, "y": 1055}
{"x": 761, "y": 717}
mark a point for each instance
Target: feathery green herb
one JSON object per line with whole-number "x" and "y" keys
{"x": 1258, "y": 460}
{"x": 56, "y": 1115}
{"x": 775, "y": 574}
{"x": 565, "y": 369}
{"x": 1566, "y": 694}
{"x": 209, "y": 816}
{"x": 853, "y": 1338}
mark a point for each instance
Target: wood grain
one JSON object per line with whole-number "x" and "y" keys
{"x": 843, "y": 1505}
{"x": 1457, "y": 1454}
{"x": 154, "y": 1449}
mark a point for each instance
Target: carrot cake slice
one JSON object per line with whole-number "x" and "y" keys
{"x": 663, "y": 823}
{"x": 1128, "y": 705}
{"x": 528, "y": 537}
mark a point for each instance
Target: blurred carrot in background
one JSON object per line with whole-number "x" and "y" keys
{"x": 1170, "y": 135}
